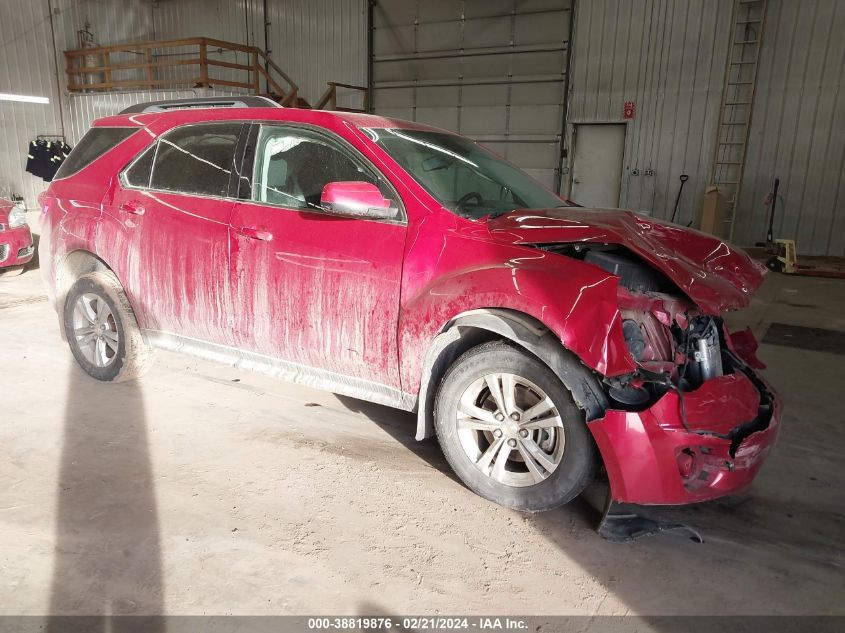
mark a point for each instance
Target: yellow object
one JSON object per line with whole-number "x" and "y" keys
{"x": 787, "y": 257}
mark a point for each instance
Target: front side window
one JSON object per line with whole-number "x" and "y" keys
{"x": 96, "y": 142}
{"x": 293, "y": 165}
{"x": 196, "y": 159}
{"x": 461, "y": 175}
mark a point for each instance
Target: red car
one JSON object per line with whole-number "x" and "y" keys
{"x": 16, "y": 248}
{"x": 541, "y": 342}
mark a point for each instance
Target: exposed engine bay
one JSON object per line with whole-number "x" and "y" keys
{"x": 675, "y": 345}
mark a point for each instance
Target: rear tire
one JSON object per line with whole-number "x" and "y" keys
{"x": 511, "y": 430}
{"x": 101, "y": 329}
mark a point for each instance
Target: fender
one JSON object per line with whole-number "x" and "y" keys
{"x": 475, "y": 326}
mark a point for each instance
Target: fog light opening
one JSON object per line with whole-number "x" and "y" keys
{"x": 686, "y": 463}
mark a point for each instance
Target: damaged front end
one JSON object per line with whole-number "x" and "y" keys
{"x": 694, "y": 421}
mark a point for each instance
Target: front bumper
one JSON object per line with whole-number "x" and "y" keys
{"x": 651, "y": 457}
{"x": 16, "y": 246}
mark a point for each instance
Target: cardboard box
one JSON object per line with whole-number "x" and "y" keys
{"x": 714, "y": 210}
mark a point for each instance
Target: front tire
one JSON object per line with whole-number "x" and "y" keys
{"x": 101, "y": 329}
{"x": 511, "y": 430}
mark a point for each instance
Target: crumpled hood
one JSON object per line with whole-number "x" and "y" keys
{"x": 716, "y": 276}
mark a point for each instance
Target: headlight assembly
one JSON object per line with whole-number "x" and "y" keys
{"x": 17, "y": 216}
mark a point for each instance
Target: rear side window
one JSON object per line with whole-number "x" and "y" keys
{"x": 196, "y": 159}
{"x": 96, "y": 142}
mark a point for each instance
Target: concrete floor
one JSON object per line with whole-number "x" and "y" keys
{"x": 204, "y": 490}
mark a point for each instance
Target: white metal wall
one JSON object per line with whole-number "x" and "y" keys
{"x": 798, "y": 128}
{"x": 110, "y": 22}
{"x": 27, "y": 67}
{"x": 218, "y": 19}
{"x": 494, "y": 70}
{"x": 85, "y": 108}
{"x": 315, "y": 41}
{"x": 668, "y": 57}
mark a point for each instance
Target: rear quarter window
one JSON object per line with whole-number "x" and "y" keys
{"x": 138, "y": 175}
{"x": 96, "y": 142}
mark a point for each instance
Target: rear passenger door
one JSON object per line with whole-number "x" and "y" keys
{"x": 175, "y": 198}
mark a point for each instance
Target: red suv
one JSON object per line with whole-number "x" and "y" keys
{"x": 541, "y": 342}
{"x": 16, "y": 248}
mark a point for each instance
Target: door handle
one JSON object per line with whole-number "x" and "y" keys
{"x": 132, "y": 207}
{"x": 255, "y": 234}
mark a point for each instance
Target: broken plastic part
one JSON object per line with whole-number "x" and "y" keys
{"x": 620, "y": 524}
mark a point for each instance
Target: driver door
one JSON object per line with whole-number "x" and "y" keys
{"x": 315, "y": 289}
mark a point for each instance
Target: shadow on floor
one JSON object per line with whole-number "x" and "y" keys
{"x": 664, "y": 573}
{"x": 108, "y": 551}
{"x": 401, "y": 426}
{"x": 34, "y": 263}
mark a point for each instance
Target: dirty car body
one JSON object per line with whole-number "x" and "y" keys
{"x": 16, "y": 248}
{"x": 624, "y": 310}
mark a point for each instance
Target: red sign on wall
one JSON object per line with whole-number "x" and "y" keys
{"x": 629, "y": 109}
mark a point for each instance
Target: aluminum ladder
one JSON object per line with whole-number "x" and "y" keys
{"x": 737, "y": 101}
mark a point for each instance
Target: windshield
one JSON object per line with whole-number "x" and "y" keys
{"x": 463, "y": 176}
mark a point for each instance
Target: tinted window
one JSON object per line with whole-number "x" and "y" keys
{"x": 196, "y": 159}
{"x": 96, "y": 142}
{"x": 292, "y": 166}
{"x": 139, "y": 174}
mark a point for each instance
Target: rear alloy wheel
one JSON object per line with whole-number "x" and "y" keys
{"x": 101, "y": 329}
{"x": 511, "y": 430}
{"x": 95, "y": 330}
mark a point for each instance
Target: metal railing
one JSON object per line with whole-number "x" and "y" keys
{"x": 328, "y": 101}
{"x": 191, "y": 61}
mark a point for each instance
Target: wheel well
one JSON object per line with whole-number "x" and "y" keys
{"x": 72, "y": 267}
{"x": 526, "y": 333}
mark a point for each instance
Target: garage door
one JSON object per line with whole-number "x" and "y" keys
{"x": 494, "y": 70}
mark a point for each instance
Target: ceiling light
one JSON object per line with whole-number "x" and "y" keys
{"x": 23, "y": 98}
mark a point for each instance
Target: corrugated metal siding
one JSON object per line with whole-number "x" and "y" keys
{"x": 493, "y": 70}
{"x": 668, "y": 56}
{"x": 27, "y": 66}
{"x": 223, "y": 20}
{"x": 110, "y": 22}
{"x": 315, "y": 41}
{"x": 84, "y": 109}
{"x": 798, "y": 129}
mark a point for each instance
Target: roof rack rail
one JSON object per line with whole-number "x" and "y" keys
{"x": 202, "y": 102}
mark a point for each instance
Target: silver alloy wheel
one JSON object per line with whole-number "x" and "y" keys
{"x": 95, "y": 330}
{"x": 510, "y": 429}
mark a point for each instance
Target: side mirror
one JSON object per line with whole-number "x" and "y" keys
{"x": 356, "y": 199}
